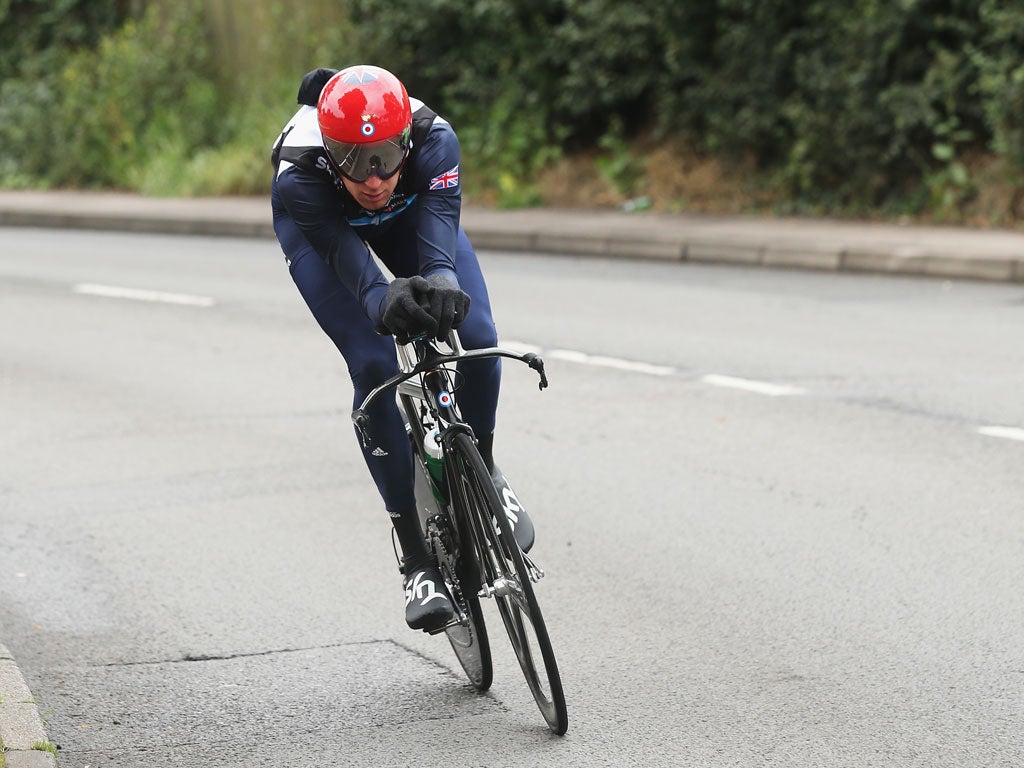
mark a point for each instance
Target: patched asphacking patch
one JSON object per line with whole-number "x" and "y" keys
{"x": 255, "y": 697}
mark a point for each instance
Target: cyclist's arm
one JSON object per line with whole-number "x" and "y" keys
{"x": 438, "y": 209}
{"x": 316, "y": 206}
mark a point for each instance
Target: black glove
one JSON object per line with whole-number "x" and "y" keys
{"x": 403, "y": 315}
{"x": 447, "y": 304}
{"x": 415, "y": 305}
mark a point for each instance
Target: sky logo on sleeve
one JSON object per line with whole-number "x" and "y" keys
{"x": 446, "y": 179}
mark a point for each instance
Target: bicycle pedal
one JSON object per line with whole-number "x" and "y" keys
{"x": 456, "y": 621}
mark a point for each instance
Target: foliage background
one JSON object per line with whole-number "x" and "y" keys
{"x": 871, "y": 107}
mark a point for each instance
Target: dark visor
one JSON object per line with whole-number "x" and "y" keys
{"x": 358, "y": 162}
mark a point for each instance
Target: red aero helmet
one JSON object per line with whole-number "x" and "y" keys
{"x": 366, "y": 122}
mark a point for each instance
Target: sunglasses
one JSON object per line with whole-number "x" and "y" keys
{"x": 358, "y": 162}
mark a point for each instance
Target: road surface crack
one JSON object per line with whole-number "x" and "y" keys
{"x": 191, "y": 658}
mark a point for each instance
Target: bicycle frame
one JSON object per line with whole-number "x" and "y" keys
{"x": 467, "y": 527}
{"x": 425, "y": 388}
{"x": 421, "y": 356}
{"x": 423, "y": 379}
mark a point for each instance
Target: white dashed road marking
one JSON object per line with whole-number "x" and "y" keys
{"x": 1008, "y": 433}
{"x": 139, "y": 294}
{"x": 712, "y": 379}
{"x": 610, "y": 362}
{"x": 651, "y": 369}
{"x": 760, "y": 387}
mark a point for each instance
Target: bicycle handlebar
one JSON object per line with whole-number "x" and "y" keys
{"x": 430, "y": 358}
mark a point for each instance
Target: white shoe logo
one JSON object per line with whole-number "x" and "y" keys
{"x": 379, "y": 452}
{"x": 422, "y": 589}
{"x": 511, "y": 504}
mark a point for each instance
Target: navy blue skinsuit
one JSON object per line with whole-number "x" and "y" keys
{"x": 324, "y": 235}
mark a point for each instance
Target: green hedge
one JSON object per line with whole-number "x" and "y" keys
{"x": 176, "y": 97}
{"x": 846, "y": 104}
{"x": 899, "y": 104}
{"x": 99, "y": 115}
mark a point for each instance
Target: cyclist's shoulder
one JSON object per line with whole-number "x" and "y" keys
{"x": 299, "y": 153}
{"x": 437, "y": 152}
{"x": 432, "y": 130}
{"x": 303, "y": 128}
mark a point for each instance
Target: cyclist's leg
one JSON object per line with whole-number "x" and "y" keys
{"x": 478, "y": 395}
{"x": 371, "y": 360}
{"x": 481, "y": 379}
{"x": 478, "y": 398}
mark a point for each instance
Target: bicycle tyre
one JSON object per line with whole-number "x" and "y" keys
{"x": 468, "y": 639}
{"x": 502, "y": 562}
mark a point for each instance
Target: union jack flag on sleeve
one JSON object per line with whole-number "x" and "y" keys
{"x": 446, "y": 179}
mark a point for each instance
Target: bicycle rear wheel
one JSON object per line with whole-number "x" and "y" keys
{"x": 508, "y": 579}
{"x": 468, "y": 638}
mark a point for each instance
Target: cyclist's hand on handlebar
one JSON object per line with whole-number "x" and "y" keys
{"x": 404, "y": 313}
{"x": 447, "y": 304}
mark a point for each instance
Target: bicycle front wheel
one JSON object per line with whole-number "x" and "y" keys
{"x": 507, "y": 577}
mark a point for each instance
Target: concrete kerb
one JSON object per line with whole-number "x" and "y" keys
{"x": 20, "y": 725}
{"x": 803, "y": 255}
{"x": 723, "y": 251}
{"x": 918, "y": 261}
{"x": 804, "y": 244}
{"x": 128, "y": 222}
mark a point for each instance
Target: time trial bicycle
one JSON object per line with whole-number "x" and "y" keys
{"x": 464, "y": 520}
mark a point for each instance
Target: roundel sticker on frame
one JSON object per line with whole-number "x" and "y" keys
{"x": 367, "y": 129}
{"x": 444, "y": 399}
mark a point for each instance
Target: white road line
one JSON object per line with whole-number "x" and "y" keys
{"x": 713, "y": 379}
{"x": 1009, "y": 433}
{"x": 520, "y": 346}
{"x": 760, "y": 387}
{"x": 610, "y": 362}
{"x": 139, "y": 294}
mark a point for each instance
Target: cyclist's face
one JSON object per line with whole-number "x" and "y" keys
{"x": 372, "y": 194}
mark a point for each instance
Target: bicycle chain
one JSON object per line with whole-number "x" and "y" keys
{"x": 454, "y": 585}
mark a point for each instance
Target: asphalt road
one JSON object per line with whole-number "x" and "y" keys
{"x": 781, "y": 515}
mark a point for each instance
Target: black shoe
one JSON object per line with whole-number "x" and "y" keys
{"x": 428, "y": 606}
{"x": 522, "y": 525}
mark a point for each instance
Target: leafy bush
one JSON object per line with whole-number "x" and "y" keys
{"x": 861, "y": 104}
{"x": 30, "y": 26}
{"x": 880, "y": 96}
{"x": 173, "y": 101}
{"x": 146, "y": 85}
{"x": 98, "y": 114}
{"x": 1000, "y": 84}
{"x": 843, "y": 106}
{"x": 36, "y": 37}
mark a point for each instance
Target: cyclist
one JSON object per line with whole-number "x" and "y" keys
{"x": 360, "y": 165}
